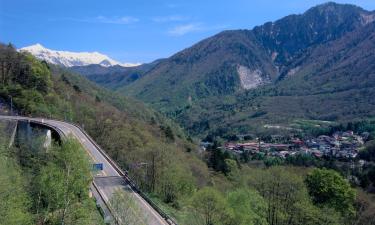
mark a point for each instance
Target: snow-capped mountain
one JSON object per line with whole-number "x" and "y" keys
{"x": 69, "y": 59}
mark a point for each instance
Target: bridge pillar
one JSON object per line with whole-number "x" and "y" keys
{"x": 48, "y": 141}
{"x": 29, "y": 132}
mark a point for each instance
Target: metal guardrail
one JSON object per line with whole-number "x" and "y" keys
{"x": 125, "y": 175}
{"x": 105, "y": 203}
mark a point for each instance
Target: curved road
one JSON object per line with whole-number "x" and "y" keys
{"x": 110, "y": 179}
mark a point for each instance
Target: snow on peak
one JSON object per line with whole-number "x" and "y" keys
{"x": 37, "y": 47}
{"x": 69, "y": 59}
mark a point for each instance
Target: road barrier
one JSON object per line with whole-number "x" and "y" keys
{"x": 105, "y": 203}
{"x": 125, "y": 175}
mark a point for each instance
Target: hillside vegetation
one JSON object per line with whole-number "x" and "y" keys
{"x": 317, "y": 66}
{"x": 130, "y": 132}
{"x": 210, "y": 187}
{"x": 45, "y": 187}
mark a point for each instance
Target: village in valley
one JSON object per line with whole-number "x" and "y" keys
{"x": 340, "y": 145}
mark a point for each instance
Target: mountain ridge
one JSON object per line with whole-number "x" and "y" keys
{"x": 262, "y": 52}
{"x": 240, "y": 79}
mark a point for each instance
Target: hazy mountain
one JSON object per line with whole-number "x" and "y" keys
{"x": 113, "y": 77}
{"x": 69, "y": 59}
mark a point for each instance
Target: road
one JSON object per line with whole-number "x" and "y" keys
{"x": 109, "y": 179}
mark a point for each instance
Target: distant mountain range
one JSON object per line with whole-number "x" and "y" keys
{"x": 319, "y": 65}
{"x": 113, "y": 77}
{"x": 69, "y": 59}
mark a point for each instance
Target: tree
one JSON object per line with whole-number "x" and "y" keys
{"x": 174, "y": 182}
{"x": 14, "y": 200}
{"x": 62, "y": 185}
{"x": 231, "y": 170}
{"x": 273, "y": 161}
{"x": 217, "y": 157}
{"x": 126, "y": 209}
{"x": 210, "y": 207}
{"x": 329, "y": 188}
{"x": 248, "y": 207}
{"x": 286, "y": 197}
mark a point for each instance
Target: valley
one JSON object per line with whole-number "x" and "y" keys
{"x": 266, "y": 124}
{"x": 240, "y": 80}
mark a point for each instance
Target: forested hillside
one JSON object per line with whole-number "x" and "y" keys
{"x": 317, "y": 66}
{"x": 332, "y": 82}
{"x": 113, "y": 77}
{"x": 195, "y": 187}
{"x": 125, "y": 128}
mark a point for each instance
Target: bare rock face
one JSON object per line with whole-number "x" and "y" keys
{"x": 367, "y": 18}
{"x": 251, "y": 79}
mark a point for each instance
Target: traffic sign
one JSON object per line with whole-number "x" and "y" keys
{"x": 97, "y": 166}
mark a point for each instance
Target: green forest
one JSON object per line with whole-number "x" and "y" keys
{"x": 45, "y": 187}
{"x": 194, "y": 187}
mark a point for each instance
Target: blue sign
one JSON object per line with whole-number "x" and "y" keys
{"x": 97, "y": 166}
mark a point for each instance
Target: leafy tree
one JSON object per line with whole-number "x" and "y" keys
{"x": 175, "y": 182}
{"x": 217, "y": 157}
{"x": 210, "y": 207}
{"x": 286, "y": 197}
{"x": 14, "y": 199}
{"x": 302, "y": 160}
{"x": 62, "y": 185}
{"x": 231, "y": 170}
{"x": 329, "y": 188}
{"x": 273, "y": 161}
{"x": 248, "y": 207}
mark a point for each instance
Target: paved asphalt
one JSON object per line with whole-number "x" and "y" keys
{"x": 108, "y": 180}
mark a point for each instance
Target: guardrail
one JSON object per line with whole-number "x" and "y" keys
{"x": 125, "y": 175}
{"x": 105, "y": 203}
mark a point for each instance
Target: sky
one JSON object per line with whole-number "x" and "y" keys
{"x": 137, "y": 30}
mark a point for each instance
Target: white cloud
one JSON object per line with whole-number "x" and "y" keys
{"x": 181, "y": 30}
{"x": 103, "y": 19}
{"x": 171, "y": 18}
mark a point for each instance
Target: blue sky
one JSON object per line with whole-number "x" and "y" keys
{"x": 138, "y": 30}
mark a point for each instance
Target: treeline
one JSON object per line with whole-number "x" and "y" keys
{"x": 278, "y": 195}
{"x": 46, "y": 186}
{"x": 359, "y": 127}
{"x": 275, "y": 193}
{"x": 29, "y": 83}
